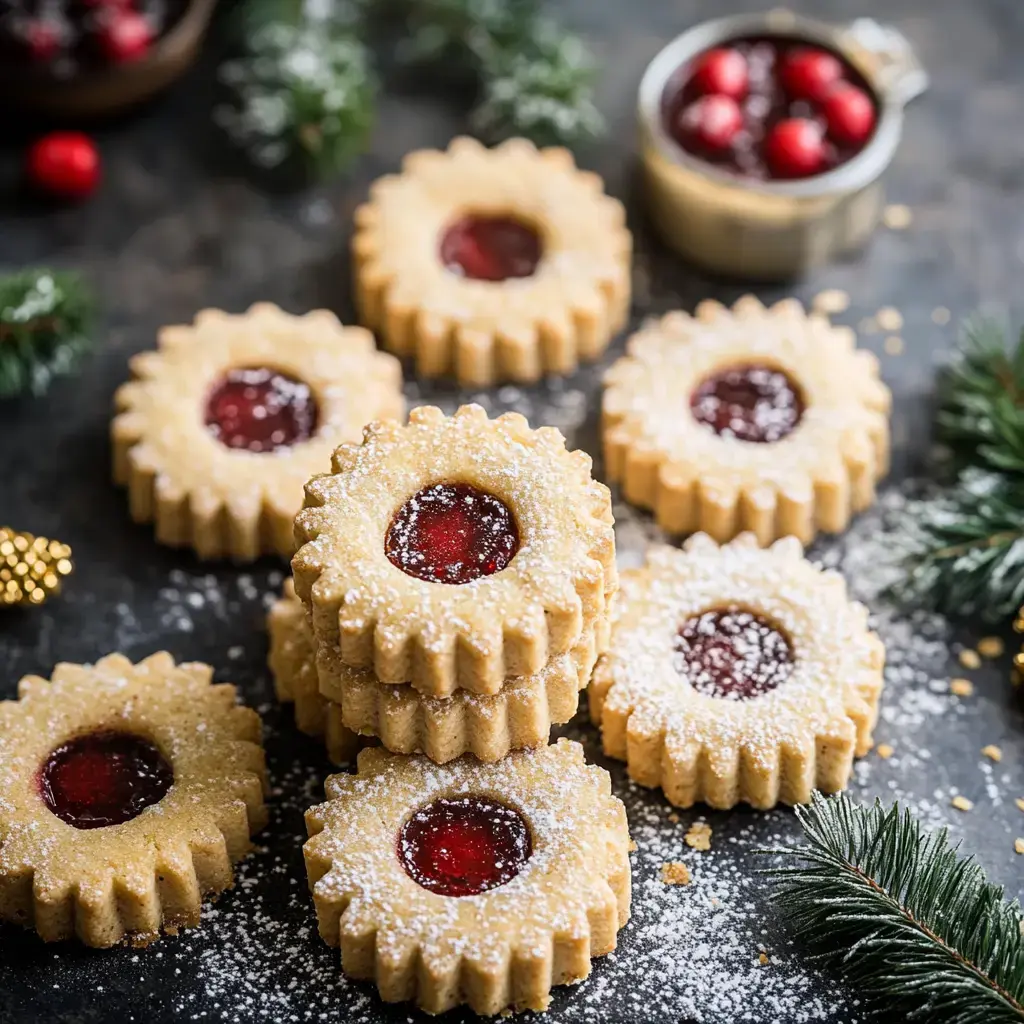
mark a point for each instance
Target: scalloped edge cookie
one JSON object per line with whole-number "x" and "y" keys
{"x": 778, "y": 747}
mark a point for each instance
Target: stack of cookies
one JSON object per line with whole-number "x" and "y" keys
{"x": 452, "y": 588}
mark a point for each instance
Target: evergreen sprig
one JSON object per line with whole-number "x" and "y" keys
{"x": 45, "y": 318}
{"x": 966, "y": 556}
{"x": 911, "y": 923}
{"x": 304, "y": 90}
{"x": 981, "y": 398}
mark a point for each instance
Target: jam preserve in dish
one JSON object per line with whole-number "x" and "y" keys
{"x": 770, "y": 108}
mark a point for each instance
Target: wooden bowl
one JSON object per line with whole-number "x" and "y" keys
{"x": 98, "y": 92}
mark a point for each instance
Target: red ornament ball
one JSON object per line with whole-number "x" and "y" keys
{"x": 849, "y": 114}
{"x": 722, "y": 72}
{"x": 124, "y": 35}
{"x": 64, "y": 164}
{"x": 809, "y": 74}
{"x": 795, "y": 148}
{"x": 711, "y": 122}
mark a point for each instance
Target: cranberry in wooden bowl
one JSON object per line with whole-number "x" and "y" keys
{"x": 764, "y": 138}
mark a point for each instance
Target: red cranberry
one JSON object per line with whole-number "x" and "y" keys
{"x": 44, "y": 38}
{"x": 64, "y": 164}
{"x": 462, "y": 846}
{"x": 712, "y": 122}
{"x": 103, "y": 778}
{"x": 752, "y": 403}
{"x": 491, "y": 248}
{"x": 260, "y": 410}
{"x": 849, "y": 114}
{"x": 124, "y": 35}
{"x": 733, "y": 654}
{"x": 722, "y": 72}
{"x": 452, "y": 533}
{"x": 795, "y": 148}
{"x": 809, "y": 74}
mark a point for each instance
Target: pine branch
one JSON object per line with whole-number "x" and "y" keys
{"x": 915, "y": 927}
{"x": 540, "y": 90}
{"x": 304, "y": 90}
{"x": 981, "y": 398}
{"x": 45, "y": 318}
{"x": 966, "y": 556}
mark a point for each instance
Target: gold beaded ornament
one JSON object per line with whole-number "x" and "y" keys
{"x": 31, "y": 568}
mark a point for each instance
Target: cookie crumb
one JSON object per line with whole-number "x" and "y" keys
{"x": 884, "y": 751}
{"x": 831, "y": 300}
{"x": 675, "y": 873}
{"x": 1018, "y": 845}
{"x": 992, "y": 752}
{"x": 762, "y": 958}
{"x": 970, "y": 658}
{"x": 698, "y": 836}
{"x": 889, "y": 318}
{"x": 961, "y": 803}
{"x": 897, "y": 216}
{"x": 674, "y": 818}
{"x": 991, "y": 647}
{"x": 940, "y": 315}
{"x": 894, "y": 345}
{"x": 632, "y": 846}
{"x": 961, "y": 687}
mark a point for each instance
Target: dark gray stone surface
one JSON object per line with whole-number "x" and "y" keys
{"x": 178, "y": 226}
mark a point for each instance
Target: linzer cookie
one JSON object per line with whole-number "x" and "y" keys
{"x": 473, "y": 883}
{"x": 292, "y": 662}
{"x": 455, "y": 552}
{"x": 226, "y": 421}
{"x": 492, "y": 265}
{"x": 750, "y": 419}
{"x": 737, "y": 674}
{"x": 126, "y": 793}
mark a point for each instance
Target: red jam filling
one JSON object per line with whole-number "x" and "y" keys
{"x": 452, "y": 533}
{"x": 770, "y": 107}
{"x": 491, "y": 248}
{"x": 753, "y": 403}
{"x": 464, "y": 846}
{"x": 733, "y": 654}
{"x": 103, "y": 778}
{"x": 260, "y": 410}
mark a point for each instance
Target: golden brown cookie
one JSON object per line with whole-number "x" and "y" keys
{"x": 750, "y": 419}
{"x": 224, "y": 423}
{"x": 455, "y": 551}
{"x": 400, "y": 885}
{"x": 492, "y": 265}
{"x": 737, "y": 673}
{"x": 519, "y": 715}
{"x": 126, "y": 793}
{"x": 292, "y": 661}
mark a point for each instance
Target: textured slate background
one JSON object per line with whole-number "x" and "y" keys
{"x": 178, "y": 225}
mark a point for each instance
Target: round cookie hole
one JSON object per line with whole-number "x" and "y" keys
{"x": 752, "y": 402}
{"x": 464, "y": 846}
{"x": 452, "y": 533}
{"x": 488, "y": 247}
{"x": 103, "y": 778}
{"x": 733, "y": 654}
{"x": 260, "y": 409}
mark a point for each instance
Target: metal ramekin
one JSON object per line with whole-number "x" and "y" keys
{"x": 774, "y": 230}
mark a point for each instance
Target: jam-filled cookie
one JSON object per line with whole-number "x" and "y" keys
{"x": 455, "y": 552}
{"x": 126, "y": 794}
{"x": 747, "y": 419}
{"x": 474, "y": 883}
{"x": 737, "y": 674}
{"x": 224, "y": 423}
{"x": 492, "y": 265}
